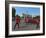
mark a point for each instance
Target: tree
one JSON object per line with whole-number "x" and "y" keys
{"x": 13, "y": 12}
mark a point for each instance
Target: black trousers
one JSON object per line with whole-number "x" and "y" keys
{"x": 17, "y": 24}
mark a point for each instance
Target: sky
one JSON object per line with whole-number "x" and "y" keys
{"x": 27, "y": 10}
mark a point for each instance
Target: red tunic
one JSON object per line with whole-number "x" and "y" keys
{"x": 17, "y": 20}
{"x": 35, "y": 21}
{"x": 26, "y": 20}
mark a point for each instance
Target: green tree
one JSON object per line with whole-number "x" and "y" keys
{"x": 13, "y": 12}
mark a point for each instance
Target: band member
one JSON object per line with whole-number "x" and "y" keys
{"x": 26, "y": 19}
{"x": 17, "y": 21}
